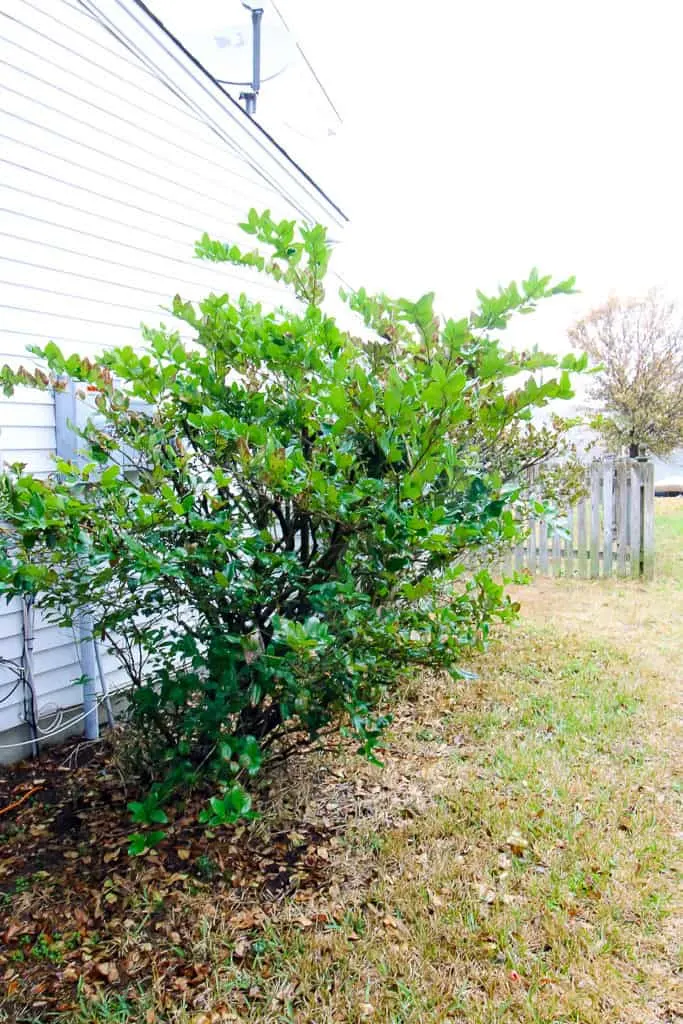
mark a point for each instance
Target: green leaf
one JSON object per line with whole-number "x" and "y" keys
{"x": 109, "y": 476}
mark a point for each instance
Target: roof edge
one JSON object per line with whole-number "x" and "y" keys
{"x": 249, "y": 121}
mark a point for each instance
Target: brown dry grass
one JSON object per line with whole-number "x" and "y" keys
{"x": 514, "y": 861}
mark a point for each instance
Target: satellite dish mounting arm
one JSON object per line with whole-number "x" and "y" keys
{"x": 251, "y": 96}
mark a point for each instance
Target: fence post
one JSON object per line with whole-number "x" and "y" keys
{"x": 596, "y": 494}
{"x": 648, "y": 538}
{"x": 622, "y": 515}
{"x": 635, "y": 514}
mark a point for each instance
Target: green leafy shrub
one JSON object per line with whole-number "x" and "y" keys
{"x": 291, "y": 541}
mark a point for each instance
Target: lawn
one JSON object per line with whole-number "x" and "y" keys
{"x": 514, "y": 861}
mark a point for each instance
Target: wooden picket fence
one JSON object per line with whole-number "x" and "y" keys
{"x": 609, "y": 532}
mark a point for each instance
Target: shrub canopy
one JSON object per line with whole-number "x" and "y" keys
{"x": 293, "y": 536}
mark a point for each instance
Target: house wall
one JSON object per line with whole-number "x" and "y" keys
{"x": 116, "y": 154}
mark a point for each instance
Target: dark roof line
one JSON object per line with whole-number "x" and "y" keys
{"x": 150, "y": 14}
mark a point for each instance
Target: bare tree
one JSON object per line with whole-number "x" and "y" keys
{"x": 638, "y": 345}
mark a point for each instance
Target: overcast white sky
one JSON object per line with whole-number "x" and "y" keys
{"x": 481, "y": 138}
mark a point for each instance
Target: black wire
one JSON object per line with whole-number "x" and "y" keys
{"x": 166, "y": 80}
{"x": 114, "y": 74}
{"x": 11, "y": 665}
{"x": 4, "y": 663}
{"x": 202, "y": 115}
{"x": 269, "y": 140}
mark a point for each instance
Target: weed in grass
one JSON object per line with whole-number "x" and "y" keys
{"x": 108, "y": 1008}
{"x": 49, "y": 948}
{"x": 206, "y": 868}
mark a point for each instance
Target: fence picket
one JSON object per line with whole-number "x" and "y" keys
{"x": 622, "y": 515}
{"x": 648, "y": 520}
{"x": 619, "y": 511}
{"x": 519, "y": 558}
{"x": 596, "y": 496}
{"x": 569, "y": 545}
{"x": 582, "y": 540}
{"x": 531, "y": 546}
{"x": 635, "y": 508}
{"x": 607, "y": 517}
{"x": 543, "y": 545}
{"x": 557, "y": 559}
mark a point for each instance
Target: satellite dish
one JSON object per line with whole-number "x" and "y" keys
{"x": 224, "y": 46}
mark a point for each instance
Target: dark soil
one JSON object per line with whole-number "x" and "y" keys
{"x": 78, "y": 914}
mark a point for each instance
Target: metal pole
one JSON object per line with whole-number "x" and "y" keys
{"x": 256, "y": 16}
{"x": 86, "y": 644}
{"x": 251, "y": 97}
{"x": 105, "y": 688}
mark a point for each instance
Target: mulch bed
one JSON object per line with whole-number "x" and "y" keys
{"x": 78, "y": 914}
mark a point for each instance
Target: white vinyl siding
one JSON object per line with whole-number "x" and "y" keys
{"x": 116, "y": 154}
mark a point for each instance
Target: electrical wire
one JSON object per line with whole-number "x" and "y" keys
{"x": 165, "y": 79}
{"x": 268, "y": 78}
{"x": 307, "y": 62}
{"x": 48, "y": 734}
{"x": 16, "y": 685}
{"x": 238, "y": 115}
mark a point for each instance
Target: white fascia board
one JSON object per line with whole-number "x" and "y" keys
{"x": 157, "y": 48}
